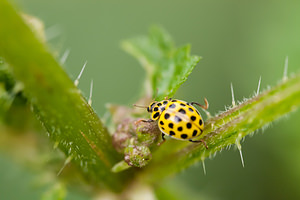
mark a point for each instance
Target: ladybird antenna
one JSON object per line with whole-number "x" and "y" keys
{"x": 139, "y": 106}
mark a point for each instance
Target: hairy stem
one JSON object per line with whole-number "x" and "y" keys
{"x": 227, "y": 128}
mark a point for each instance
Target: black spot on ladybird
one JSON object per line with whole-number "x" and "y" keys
{"x": 165, "y": 102}
{"x": 162, "y": 128}
{"x": 195, "y": 132}
{"x": 189, "y": 125}
{"x": 174, "y": 100}
{"x": 155, "y": 109}
{"x": 156, "y": 115}
{"x": 167, "y": 116}
{"x": 171, "y": 125}
{"x": 183, "y": 136}
{"x": 182, "y": 111}
{"x": 172, "y": 133}
{"x": 179, "y": 128}
{"x": 162, "y": 109}
{"x": 159, "y": 104}
{"x": 177, "y": 119}
{"x": 200, "y": 122}
{"x": 191, "y": 109}
{"x": 182, "y": 104}
{"x": 161, "y": 123}
{"x": 193, "y": 118}
{"x": 172, "y": 105}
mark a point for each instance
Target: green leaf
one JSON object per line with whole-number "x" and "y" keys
{"x": 70, "y": 121}
{"x": 167, "y": 67}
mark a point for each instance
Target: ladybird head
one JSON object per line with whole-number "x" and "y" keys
{"x": 151, "y": 106}
{"x": 156, "y": 108}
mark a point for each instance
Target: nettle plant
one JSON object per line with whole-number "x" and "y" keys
{"x": 128, "y": 156}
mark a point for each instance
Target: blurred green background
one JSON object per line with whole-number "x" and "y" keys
{"x": 240, "y": 41}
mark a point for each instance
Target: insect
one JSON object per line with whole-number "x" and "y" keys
{"x": 178, "y": 119}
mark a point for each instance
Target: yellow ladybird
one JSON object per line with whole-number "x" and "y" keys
{"x": 178, "y": 119}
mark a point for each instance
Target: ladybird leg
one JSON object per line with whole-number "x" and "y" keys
{"x": 167, "y": 98}
{"x": 202, "y": 106}
{"x": 144, "y": 120}
{"x": 163, "y": 138}
{"x": 197, "y": 141}
{"x": 147, "y": 120}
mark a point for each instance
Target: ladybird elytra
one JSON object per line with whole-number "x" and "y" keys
{"x": 178, "y": 119}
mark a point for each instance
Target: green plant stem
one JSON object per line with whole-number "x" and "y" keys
{"x": 70, "y": 121}
{"x": 226, "y": 129}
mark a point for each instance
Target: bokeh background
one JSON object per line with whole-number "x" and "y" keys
{"x": 240, "y": 41}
